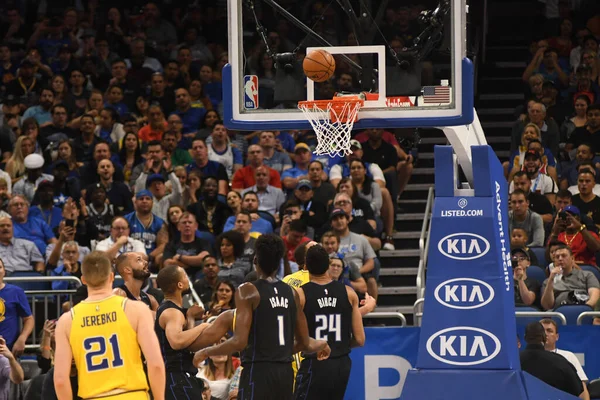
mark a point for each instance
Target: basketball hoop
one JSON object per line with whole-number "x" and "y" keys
{"x": 332, "y": 120}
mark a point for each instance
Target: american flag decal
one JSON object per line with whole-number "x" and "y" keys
{"x": 436, "y": 94}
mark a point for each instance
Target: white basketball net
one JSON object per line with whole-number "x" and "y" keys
{"x": 333, "y": 138}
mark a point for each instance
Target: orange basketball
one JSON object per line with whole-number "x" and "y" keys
{"x": 319, "y": 65}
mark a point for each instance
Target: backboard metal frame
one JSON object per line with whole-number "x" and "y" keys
{"x": 459, "y": 113}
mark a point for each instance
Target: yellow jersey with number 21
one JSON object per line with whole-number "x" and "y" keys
{"x": 106, "y": 350}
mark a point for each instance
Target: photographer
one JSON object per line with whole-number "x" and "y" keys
{"x": 569, "y": 229}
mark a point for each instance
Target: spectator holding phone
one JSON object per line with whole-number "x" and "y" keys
{"x": 569, "y": 229}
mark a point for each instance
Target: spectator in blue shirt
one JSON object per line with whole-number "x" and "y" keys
{"x": 41, "y": 113}
{"x": 208, "y": 167}
{"x": 45, "y": 208}
{"x": 302, "y": 157}
{"x": 14, "y": 306}
{"x": 190, "y": 116}
{"x": 250, "y": 205}
{"x": 33, "y": 229}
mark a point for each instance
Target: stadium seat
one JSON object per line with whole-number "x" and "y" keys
{"x": 540, "y": 253}
{"x": 592, "y": 269}
{"x": 30, "y": 285}
{"x": 30, "y": 368}
{"x": 572, "y": 312}
{"x": 594, "y": 389}
{"x": 536, "y": 273}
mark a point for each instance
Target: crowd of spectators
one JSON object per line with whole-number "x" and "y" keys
{"x": 111, "y": 139}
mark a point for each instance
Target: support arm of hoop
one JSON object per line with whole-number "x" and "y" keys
{"x": 461, "y": 138}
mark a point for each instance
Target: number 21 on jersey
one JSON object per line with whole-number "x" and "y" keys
{"x": 102, "y": 353}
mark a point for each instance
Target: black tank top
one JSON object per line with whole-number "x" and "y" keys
{"x": 144, "y": 298}
{"x": 175, "y": 360}
{"x": 271, "y": 337}
{"x": 329, "y": 316}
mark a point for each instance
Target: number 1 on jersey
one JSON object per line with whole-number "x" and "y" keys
{"x": 281, "y": 331}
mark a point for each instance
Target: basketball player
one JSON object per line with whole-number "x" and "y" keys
{"x": 267, "y": 316}
{"x": 175, "y": 334}
{"x": 332, "y": 313}
{"x": 133, "y": 268}
{"x": 104, "y": 334}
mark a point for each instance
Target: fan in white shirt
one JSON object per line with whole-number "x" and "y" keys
{"x": 541, "y": 183}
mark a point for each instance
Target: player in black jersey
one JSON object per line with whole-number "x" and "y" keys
{"x": 175, "y": 333}
{"x": 332, "y": 314}
{"x": 133, "y": 268}
{"x": 267, "y": 319}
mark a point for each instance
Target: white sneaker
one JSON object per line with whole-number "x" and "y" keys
{"x": 389, "y": 246}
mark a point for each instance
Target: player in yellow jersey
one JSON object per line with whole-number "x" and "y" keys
{"x": 104, "y": 334}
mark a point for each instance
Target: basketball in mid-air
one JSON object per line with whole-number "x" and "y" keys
{"x": 319, "y": 65}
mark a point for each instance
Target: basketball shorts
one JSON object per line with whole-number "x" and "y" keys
{"x": 266, "y": 381}
{"x": 182, "y": 386}
{"x": 323, "y": 380}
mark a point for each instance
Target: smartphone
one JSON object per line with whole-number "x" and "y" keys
{"x": 70, "y": 222}
{"x": 562, "y": 215}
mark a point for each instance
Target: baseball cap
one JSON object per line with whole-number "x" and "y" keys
{"x": 337, "y": 212}
{"x": 532, "y": 153}
{"x": 96, "y": 187}
{"x": 301, "y": 146}
{"x": 572, "y": 210}
{"x": 154, "y": 177}
{"x": 143, "y": 193}
{"x": 355, "y": 143}
{"x": 519, "y": 250}
{"x": 304, "y": 183}
{"x": 34, "y": 161}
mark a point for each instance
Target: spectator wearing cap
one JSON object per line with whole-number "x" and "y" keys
{"x": 27, "y": 186}
{"x": 19, "y": 254}
{"x": 118, "y": 193}
{"x": 58, "y": 130}
{"x": 540, "y": 183}
{"x": 527, "y": 290}
{"x": 356, "y": 249}
{"x": 26, "y": 88}
{"x": 569, "y": 229}
{"x": 315, "y": 212}
{"x": 342, "y": 170}
{"x": 537, "y": 202}
{"x": 590, "y": 133}
{"x": 584, "y": 155}
{"x": 568, "y": 284}
{"x": 119, "y": 241}
{"x": 41, "y": 111}
{"x": 145, "y": 225}
{"x": 547, "y": 366}
{"x": 221, "y": 151}
{"x": 323, "y": 191}
{"x": 156, "y": 184}
{"x": 98, "y": 213}
{"x": 270, "y": 197}
{"x": 244, "y": 177}
{"x": 520, "y": 216}
{"x": 586, "y": 201}
{"x": 291, "y": 176}
{"x": 274, "y": 155}
{"x": 207, "y": 167}
{"x": 29, "y": 227}
{"x": 44, "y": 207}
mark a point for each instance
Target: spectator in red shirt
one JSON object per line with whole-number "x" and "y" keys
{"x": 244, "y": 177}
{"x": 295, "y": 237}
{"x": 569, "y": 229}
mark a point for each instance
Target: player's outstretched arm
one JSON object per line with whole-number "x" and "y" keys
{"x": 214, "y": 331}
{"x": 302, "y": 341}
{"x": 148, "y": 342}
{"x": 62, "y": 358}
{"x": 172, "y": 321}
{"x": 358, "y": 331}
{"x": 246, "y": 300}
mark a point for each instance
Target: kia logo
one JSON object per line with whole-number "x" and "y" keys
{"x": 464, "y": 246}
{"x": 464, "y": 293}
{"x": 463, "y": 346}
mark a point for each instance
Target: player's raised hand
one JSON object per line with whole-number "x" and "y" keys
{"x": 325, "y": 351}
{"x": 195, "y": 312}
{"x": 199, "y": 358}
